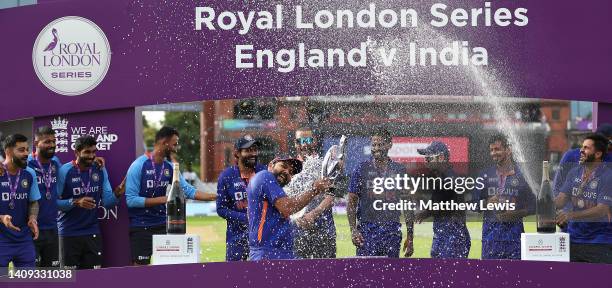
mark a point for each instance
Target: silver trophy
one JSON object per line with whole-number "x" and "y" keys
{"x": 333, "y": 162}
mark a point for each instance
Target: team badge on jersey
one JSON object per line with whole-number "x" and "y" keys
{"x": 515, "y": 182}
{"x": 167, "y": 172}
{"x": 95, "y": 177}
{"x": 593, "y": 184}
{"x": 24, "y": 184}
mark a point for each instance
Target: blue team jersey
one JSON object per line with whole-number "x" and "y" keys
{"x": 596, "y": 190}
{"x": 361, "y": 183}
{"x": 268, "y": 229}
{"x": 74, "y": 183}
{"x": 232, "y": 201}
{"x": 515, "y": 190}
{"x": 47, "y": 185}
{"x": 148, "y": 180}
{"x": 570, "y": 159}
{"x": 26, "y": 192}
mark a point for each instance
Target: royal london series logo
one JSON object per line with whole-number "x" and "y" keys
{"x": 71, "y": 56}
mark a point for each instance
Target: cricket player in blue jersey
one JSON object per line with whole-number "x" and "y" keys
{"x": 46, "y": 165}
{"x": 451, "y": 238}
{"x": 378, "y": 232}
{"x": 504, "y": 183}
{"x": 232, "y": 197}
{"x": 82, "y": 186}
{"x": 588, "y": 189}
{"x": 571, "y": 159}
{"x": 18, "y": 205}
{"x": 147, "y": 180}
{"x": 270, "y": 231}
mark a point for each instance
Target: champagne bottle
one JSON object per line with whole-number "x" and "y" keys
{"x": 175, "y": 206}
{"x": 545, "y": 206}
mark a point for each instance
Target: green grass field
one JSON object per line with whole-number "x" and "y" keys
{"x": 212, "y": 236}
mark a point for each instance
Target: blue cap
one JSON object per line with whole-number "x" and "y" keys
{"x": 245, "y": 142}
{"x": 605, "y": 129}
{"x": 296, "y": 163}
{"x": 435, "y": 148}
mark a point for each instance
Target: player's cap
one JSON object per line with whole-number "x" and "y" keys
{"x": 245, "y": 142}
{"x": 296, "y": 163}
{"x": 435, "y": 148}
{"x": 605, "y": 129}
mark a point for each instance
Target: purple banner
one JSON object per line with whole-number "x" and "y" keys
{"x": 158, "y": 56}
{"x": 114, "y": 132}
{"x": 348, "y": 273}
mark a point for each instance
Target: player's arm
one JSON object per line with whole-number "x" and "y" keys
{"x": 33, "y": 207}
{"x": 563, "y": 197}
{"x": 601, "y": 210}
{"x": 594, "y": 214}
{"x": 205, "y": 196}
{"x": 291, "y": 205}
{"x": 561, "y": 200}
{"x": 223, "y": 203}
{"x": 63, "y": 204}
{"x": 108, "y": 196}
{"x": 351, "y": 207}
{"x": 564, "y": 166}
{"x": 310, "y": 217}
{"x": 327, "y": 203}
{"x": 192, "y": 193}
{"x": 132, "y": 188}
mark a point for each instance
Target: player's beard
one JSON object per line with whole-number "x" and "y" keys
{"x": 586, "y": 158}
{"x": 379, "y": 154}
{"x": 282, "y": 178}
{"x": 249, "y": 162}
{"x": 307, "y": 150}
{"x": 20, "y": 162}
{"x": 86, "y": 162}
{"x": 47, "y": 153}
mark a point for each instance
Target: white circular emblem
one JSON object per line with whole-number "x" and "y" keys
{"x": 71, "y": 56}
{"x": 95, "y": 177}
{"x": 594, "y": 184}
{"x": 24, "y": 183}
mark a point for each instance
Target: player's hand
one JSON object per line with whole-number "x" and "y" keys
{"x": 563, "y": 217}
{"x": 306, "y": 221}
{"x": 357, "y": 238}
{"x": 408, "y": 247}
{"x": 85, "y": 202}
{"x": 100, "y": 161}
{"x": 322, "y": 185}
{"x": 7, "y": 221}
{"x": 120, "y": 190}
{"x": 33, "y": 224}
